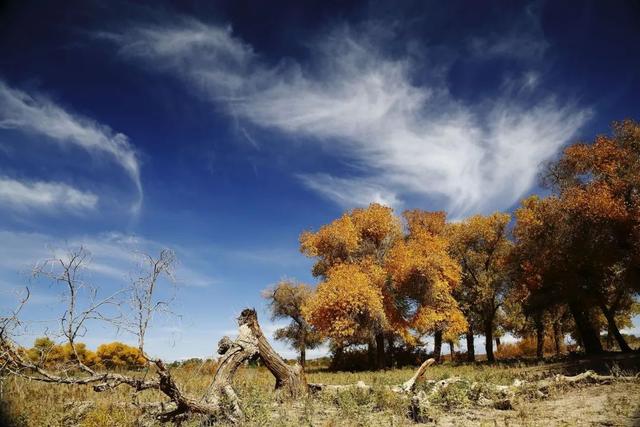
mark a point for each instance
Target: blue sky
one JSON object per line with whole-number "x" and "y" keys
{"x": 223, "y": 129}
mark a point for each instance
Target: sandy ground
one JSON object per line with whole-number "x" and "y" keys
{"x": 604, "y": 405}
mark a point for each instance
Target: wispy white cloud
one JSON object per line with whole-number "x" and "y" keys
{"x": 404, "y": 139}
{"x": 36, "y": 114}
{"x": 47, "y": 196}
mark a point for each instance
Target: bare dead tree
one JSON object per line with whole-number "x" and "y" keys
{"x": 143, "y": 303}
{"x": 67, "y": 271}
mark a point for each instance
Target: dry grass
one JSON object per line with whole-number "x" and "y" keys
{"x": 40, "y": 404}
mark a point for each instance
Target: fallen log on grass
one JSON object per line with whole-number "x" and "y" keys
{"x": 406, "y": 387}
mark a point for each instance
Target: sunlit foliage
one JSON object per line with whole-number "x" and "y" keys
{"x": 379, "y": 277}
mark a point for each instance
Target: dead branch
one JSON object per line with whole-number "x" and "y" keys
{"x": 503, "y": 396}
{"x": 68, "y": 272}
{"x": 410, "y": 384}
{"x": 404, "y": 388}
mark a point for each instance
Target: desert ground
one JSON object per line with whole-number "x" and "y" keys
{"x": 613, "y": 403}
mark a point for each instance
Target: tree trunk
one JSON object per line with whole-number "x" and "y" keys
{"x": 498, "y": 343}
{"x": 609, "y": 341}
{"x": 380, "y": 351}
{"x": 390, "y": 351}
{"x": 452, "y": 351}
{"x": 336, "y": 360}
{"x": 437, "y": 345}
{"x": 303, "y": 355}
{"x": 557, "y": 332}
{"x": 371, "y": 354}
{"x": 539, "y": 337}
{"x": 471, "y": 351}
{"x": 613, "y": 329}
{"x": 488, "y": 342}
{"x": 290, "y": 379}
{"x": 302, "y": 347}
{"x": 588, "y": 334}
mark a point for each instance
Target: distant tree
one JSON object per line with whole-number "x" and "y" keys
{"x": 482, "y": 247}
{"x": 285, "y": 301}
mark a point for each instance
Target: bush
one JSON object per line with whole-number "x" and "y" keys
{"x": 50, "y": 354}
{"x": 117, "y": 355}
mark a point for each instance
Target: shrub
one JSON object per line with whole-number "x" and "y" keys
{"x": 50, "y": 354}
{"x": 117, "y": 355}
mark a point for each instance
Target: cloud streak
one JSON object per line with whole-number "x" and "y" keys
{"x": 49, "y": 196}
{"x": 404, "y": 140}
{"x": 38, "y": 115}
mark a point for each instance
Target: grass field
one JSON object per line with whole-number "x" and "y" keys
{"x": 40, "y": 404}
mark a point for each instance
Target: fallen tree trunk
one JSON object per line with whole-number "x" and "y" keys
{"x": 234, "y": 354}
{"x": 290, "y": 379}
{"x": 406, "y": 387}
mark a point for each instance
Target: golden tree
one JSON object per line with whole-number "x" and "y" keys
{"x": 379, "y": 279}
{"x": 423, "y": 278}
{"x": 482, "y": 247}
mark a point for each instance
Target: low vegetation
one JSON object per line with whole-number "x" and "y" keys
{"x": 32, "y": 403}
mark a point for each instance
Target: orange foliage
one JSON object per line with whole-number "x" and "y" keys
{"x": 120, "y": 356}
{"x": 377, "y": 278}
{"x": 346, "y": 303}
{"x": 525, "y": 347}
{"x": 47, "y": 353}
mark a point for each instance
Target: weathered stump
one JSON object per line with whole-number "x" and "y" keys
{"x": 290, "y": 379}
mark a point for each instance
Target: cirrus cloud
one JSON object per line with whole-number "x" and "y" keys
{"x": 405, "y": 140}
{"x": 21, "y": 195}
{"x": 36, "y": 114}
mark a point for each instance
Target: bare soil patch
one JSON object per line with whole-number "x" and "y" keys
{"x": 594, "y": 405}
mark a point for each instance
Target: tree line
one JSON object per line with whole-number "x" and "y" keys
{"x": 566, "y": 263}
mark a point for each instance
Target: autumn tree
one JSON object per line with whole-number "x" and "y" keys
{"x": 599, "y": 186}
{"x": 481, "y": 245}
{"x": 556, "y": 261}
{"x": 423, "y": 277}
{"x": 379, "y": 279}
{"x": 285, "y": 301}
